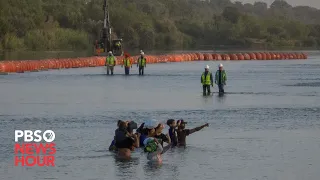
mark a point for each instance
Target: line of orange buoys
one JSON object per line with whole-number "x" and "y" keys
{"x": 41, "y": 65}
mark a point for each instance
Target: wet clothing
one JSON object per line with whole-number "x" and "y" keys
{"x": 141, "y": 70}
{"x": 206, "y": 88}
{"x": 128, "y": 142}
{"x": 173, "y": 136}
{"x": 183, "y": 133}
{"x": 162, "y": 138}
{"x": 127, "y": 70}
{"x": 142, "y": 138}
{"x": 120, "y": 136}
{"x": 112, "y": 146}
{"x": 110, "y": 68}
{"x": 206, "y": 80}
{"x": 154, "y": 150}
{"x": 221, "y": 88}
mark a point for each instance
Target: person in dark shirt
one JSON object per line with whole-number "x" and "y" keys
{"x": 112, "y": 146}
{"x": 127, "y": 146}
{"x": 182, "y": 133}
{"x": 143, "y": 133}
{"x": 206, "y": 80}
{"x": 172, "y": 132}
{"x": 162, "y": 137}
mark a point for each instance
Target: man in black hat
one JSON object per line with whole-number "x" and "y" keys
{"x": 182, "y": 133}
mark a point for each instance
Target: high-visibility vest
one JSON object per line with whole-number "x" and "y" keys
{"x": 206, "y": 79}
{"x": 126, "y": 62}
{"x": 111, "y": 60}
{"x": 142, "y": 62}
{"x": 223, "y": 77}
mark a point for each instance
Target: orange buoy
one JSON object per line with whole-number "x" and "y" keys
{"x": 233, "y": 57}
{"x": 258, "y": 56}
{"x": 252, "y": 56}
{"x": 240, "y": 56}
{"x": 246, "y": 56}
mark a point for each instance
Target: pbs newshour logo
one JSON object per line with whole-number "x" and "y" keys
{"x": 30, "y": 151}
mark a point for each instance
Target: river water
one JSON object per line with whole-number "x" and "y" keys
{"x": 266, "y": 127}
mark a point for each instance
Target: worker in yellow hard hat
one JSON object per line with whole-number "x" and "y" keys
{"x": 110, "y": 62}
{"x": 206, "y": 80}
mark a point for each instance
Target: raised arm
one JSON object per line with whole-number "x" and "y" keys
{"x": 190, "y": 131}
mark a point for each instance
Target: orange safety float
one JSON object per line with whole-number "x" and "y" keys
{"x": 218, "y": 57}
{"x": 258, "y": 56}
{"x": 252, "y": 56}
{"x": 246, "y": 56}
{"x": 233, "y": 57}
{"x": 240, "y": 56}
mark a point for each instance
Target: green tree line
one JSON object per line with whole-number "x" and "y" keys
{"x": 157, "y": 24}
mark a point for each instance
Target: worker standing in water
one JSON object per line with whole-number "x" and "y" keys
{"x": 110, "y": 62}
{"x": 221, "y": 78}
{"x": 206, "y": 80}
{"x": 142, "y": 63}
{"x": 127, "y": 64}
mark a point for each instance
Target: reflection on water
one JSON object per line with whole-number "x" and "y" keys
{"x": 261, "y": 128}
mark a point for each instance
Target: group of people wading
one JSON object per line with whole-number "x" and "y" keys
{"x": 150, "y": 137}
{"x": 111, "y": 61}
{"x": 207, "y": 79}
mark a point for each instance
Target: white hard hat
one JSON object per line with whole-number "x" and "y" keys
{"x": 142, "y": 53}
{"x": 206, "y": 67}
{"x": 220, "y": 65}
{"x": 110, "y": 52}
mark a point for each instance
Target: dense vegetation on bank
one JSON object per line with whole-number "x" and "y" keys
{"x": 161, "y": 24}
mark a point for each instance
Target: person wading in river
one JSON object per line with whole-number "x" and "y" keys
{"x": 110, "y": 62}
{"x": 206, "y": 80}
{"x": 221, "y": 78}
{"x": 142, "y": 63}
{"x": 183, "y": 133}
{"x": 127, "y": 64}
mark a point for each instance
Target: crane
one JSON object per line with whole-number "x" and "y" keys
{"x": 106, "y": 43}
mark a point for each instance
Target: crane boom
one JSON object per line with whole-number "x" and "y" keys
{"x": 106, "y": 27}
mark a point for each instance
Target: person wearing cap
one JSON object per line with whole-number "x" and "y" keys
{"x": 151, "y": 144}
{"x": 142, "y": 63}
{"x": 127, "y": 64}
{"x": 183, "y": 133}
{"x": 221, "y": 78}
{"x": 110, "y": 62}
{"x": 206, "y": 80}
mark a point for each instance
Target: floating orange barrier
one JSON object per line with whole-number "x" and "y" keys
{"x": 233, "y": 57}
{"x": 39, "y": 65}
